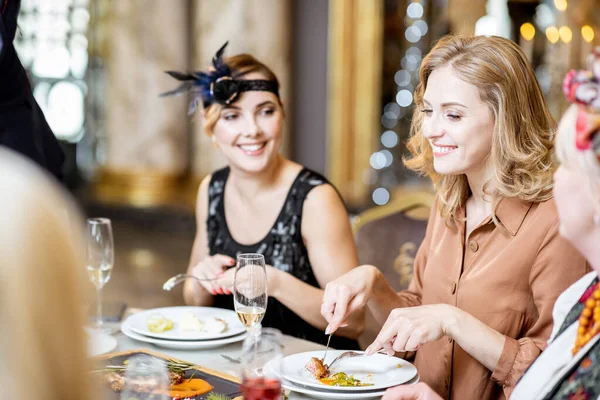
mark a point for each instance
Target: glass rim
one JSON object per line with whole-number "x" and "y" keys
{"x": 98, "y": 221}
{"x": 250, "y": 256}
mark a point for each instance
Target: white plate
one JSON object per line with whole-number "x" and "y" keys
{"x": 138, "y": 323}
{"x": 379, "y": 369}
{"x": 181, "y": 344}
{"x": 333, "y": 395}
{"x": 100, "y": 343}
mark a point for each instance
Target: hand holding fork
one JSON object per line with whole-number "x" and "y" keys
{"x": 207, "y": 272}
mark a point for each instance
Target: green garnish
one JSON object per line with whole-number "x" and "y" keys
{"x": 342, "y": 379}
{"x": 172, "y": 366}
{"x": 217, "y": 396}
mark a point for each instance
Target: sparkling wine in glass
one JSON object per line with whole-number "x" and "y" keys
{"x": 100, "y": 260}
{"x": 262, "y": 357}
{"x": 250, "y": 290}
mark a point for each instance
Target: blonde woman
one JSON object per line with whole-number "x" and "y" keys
{"x": 570, "y": 366}
{"x": 42, "y": 342}
{"x": 479, "y": 309}
{"x": 264, "y": 203}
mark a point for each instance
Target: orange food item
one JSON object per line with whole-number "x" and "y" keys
{"x": 190, "y": 388}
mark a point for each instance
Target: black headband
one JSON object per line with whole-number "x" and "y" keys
{"x": 217, "y": 85}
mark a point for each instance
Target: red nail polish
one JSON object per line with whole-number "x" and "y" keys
{"x": 213, "y": 292}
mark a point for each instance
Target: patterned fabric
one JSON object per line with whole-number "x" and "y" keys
{"x": 583, "y": 88}
{"x": 283, "y": 248}
{"x": 582, "y": 382}
{"x": 575, "y": 312}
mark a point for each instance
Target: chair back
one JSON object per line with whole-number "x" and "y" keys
{"x": 389, "y": 237}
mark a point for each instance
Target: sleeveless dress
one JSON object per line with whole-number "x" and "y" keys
{"x": 283, "y": 248}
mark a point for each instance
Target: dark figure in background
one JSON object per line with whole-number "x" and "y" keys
{"x": 23, "y": 127}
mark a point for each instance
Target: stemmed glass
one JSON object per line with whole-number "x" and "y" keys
{"x": 262, "y": 368}
{"x": 250, "y": 290}
{"x": 100, "y": 259}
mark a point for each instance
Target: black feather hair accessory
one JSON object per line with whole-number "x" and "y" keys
{"x": 216, "y": 85}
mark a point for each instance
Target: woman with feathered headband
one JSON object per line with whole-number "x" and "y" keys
{"x": 263, "y": 203}
{"x": 569, "y": 368}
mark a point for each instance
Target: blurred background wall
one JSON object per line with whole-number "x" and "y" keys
{"x": 347, "y": 67}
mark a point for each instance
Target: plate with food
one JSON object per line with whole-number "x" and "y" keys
{"x": 334, "y": 395}
{"x": 353, "y": 374}
{"x": 182, "y": 344}
{"x": 186, "y": 323}
{"x": 186, "y": 380}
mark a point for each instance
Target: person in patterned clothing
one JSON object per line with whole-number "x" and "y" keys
{"x": 569, "y": 368}
{"x": 264, "y": 203}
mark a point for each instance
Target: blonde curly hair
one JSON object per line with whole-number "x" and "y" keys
{"x": 522, "y": 147}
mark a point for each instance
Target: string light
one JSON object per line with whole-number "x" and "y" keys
{"x": 587, "y": 32}
{"x": 414, "y": 10}
{"x": 393, "y": 113}
{"x": 381, "y": 196}
{"x": 552, "y": 34}
{"x": 527, "y": 31}
{"x": 561, "y": 5}
{"x": 565, "y": 34}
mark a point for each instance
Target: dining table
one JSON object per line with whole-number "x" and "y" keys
{"x": 215, "y": 358}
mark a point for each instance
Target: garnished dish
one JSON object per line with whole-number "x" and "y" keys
{"x": 342, "y": 379}
{"x": 180, "y": 386}
{"x": 321, "y": 371}
{"x": 158, "y": 323}
{"x": 189, "y": 322}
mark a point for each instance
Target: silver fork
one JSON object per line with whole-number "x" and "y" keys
{"x": 351, "y": 354}
{"x": 177, "y": 279}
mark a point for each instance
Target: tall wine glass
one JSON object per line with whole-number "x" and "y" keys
{"x": 250, "y": 290}
{"x": 262, "y": 368}
{"x": 100, "y": 259}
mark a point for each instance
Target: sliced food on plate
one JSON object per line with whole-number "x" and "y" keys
{"x": 321, "y": 371}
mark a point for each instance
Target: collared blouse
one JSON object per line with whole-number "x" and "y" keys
{"x": 508, "y": 275}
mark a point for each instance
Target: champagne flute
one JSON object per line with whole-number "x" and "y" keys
{"x": 262, "y": 368}
{"x": 100, "y": 259}
{"x": 250, "y": 290}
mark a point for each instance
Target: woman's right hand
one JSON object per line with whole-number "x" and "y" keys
{"x": 418, "y": 391}
{"x": 212, "y": 267}
{"x": 347, "y": 294}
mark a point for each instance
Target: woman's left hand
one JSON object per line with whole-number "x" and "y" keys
{"x": 406, "y": 329}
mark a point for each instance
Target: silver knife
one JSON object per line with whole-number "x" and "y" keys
{"x": 326, "y": 348}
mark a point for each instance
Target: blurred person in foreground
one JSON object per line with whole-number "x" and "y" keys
{"x": 264, "y": 203}
{"x": 569, "y": 368}
{"x": 479, "y": 308}
{"x": 23, "y": 127}
{"x": 42, "y": 341}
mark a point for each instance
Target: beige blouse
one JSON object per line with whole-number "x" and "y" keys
{"x": 507, "y": 278}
